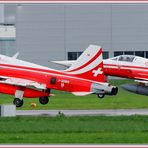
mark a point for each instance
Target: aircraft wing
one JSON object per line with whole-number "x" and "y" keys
{"x": 21, "y": 82}
{"x": 67, "y": 63}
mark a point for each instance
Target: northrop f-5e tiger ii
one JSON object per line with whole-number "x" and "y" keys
{"x": 25, "y": 79}
{"x": 125, "y": 66}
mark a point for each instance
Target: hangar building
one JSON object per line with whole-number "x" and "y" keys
{"x": 45, "y": 32}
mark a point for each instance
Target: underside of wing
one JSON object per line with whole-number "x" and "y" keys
{"x": 21, "y": 82}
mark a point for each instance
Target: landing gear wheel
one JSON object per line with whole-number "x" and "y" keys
{"x": 43, "y": 100}
{"x": 18, "y": 102}
{"x": 101, "y": 96}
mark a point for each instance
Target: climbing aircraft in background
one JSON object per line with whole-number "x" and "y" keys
{"x": 125, "y": 66}
{"x": 25, "y": 79}
{"x": 132, "y": 67}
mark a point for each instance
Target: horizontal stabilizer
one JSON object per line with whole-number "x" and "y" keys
{"x": 66, "y": 63}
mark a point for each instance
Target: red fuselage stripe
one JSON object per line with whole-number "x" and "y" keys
{"x": 139, "y": 67}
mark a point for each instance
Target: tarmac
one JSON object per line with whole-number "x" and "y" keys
{"x": 108, "y": 112}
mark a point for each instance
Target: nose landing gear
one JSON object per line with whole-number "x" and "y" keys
{"x": 44, "y": 100}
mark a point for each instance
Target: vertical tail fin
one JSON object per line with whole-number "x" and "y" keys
{"x": 89, "y": 65}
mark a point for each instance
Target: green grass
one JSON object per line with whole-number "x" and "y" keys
{"x": 74, "y": 130}
{"x": 64, "y": 100}
{"x": 78, "y": 130}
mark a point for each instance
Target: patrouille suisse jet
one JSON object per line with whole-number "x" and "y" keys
{"x": 125, "y": 66}
{"x": 24, "y": 79}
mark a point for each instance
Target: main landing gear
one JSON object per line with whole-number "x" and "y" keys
{"x": 18, "y": 100}
{"x": 101, "y": 96}
{"x": 44, "y": 100}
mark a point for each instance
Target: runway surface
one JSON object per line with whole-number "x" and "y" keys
{"x": 109, "y": 112}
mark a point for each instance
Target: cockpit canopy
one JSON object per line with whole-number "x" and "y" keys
{"x": 124, "y": 58}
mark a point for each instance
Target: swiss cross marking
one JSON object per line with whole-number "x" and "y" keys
{"x": 96, "y": 72}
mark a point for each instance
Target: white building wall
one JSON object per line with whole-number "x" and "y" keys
{"x": 130, "y": 27}
{"x": 48, "y": 31}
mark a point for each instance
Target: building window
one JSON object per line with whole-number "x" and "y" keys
{"x": 105, "y": 54}
{"x": 117, "y": 53}
{"x": 129, "y": 52}
{"x": 75, "y": 55}
{"x": 72, "y": 55}
{"x": 146, "y": 54}
{"x": 139, "y": 53}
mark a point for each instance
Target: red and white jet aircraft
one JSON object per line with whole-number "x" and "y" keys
{"x": 24, "y": 79}
{"x": 125, "y": 66}
{"x": 132, "y": 67}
